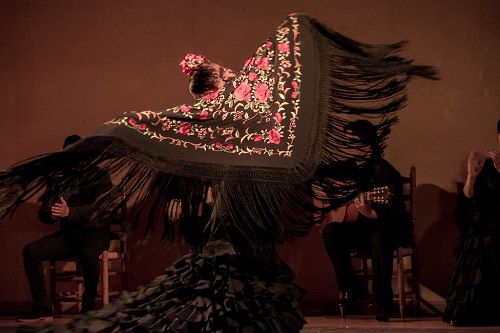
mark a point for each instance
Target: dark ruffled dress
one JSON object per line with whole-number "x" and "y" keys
{"x": 474, "y": 295}
{"x": 212, "y": 290}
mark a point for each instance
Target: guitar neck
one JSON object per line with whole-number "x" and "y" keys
{"x": 378, "y": 195}
{"x": 367, "y": 196}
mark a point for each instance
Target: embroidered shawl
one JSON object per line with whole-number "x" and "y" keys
{"x": 258, "y": 142}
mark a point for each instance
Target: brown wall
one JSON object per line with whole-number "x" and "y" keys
{"x": 67, "y": 66}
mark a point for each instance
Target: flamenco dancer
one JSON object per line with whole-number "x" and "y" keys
{"x": 258, "y": 139}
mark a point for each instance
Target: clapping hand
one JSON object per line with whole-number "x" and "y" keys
{"x": 475, "y": 163}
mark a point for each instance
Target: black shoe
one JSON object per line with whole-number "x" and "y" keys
{"x": 469, "y": 323}
{"x": 348, "y": 297}
{"x": 453, "y": 323}
{"x": 380, "y": 313}
{"x": 37, "y": 315}
{"x": 347, "y": 301}
{"x": 352, "y": 296}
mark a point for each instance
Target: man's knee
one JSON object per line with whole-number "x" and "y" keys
{"x": 333, "y": 234}
{"x": 91, "y": 254}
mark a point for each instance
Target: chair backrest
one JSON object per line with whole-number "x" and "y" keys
{"x": 409, "y": 188}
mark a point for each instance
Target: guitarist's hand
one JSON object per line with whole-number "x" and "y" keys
{"x": 365, "y": 208}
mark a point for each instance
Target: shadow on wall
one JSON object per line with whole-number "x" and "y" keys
{"x": 436, "y": 236}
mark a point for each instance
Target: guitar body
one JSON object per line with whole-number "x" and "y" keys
{"x": 349, "y": 213}
{"x": 344, "y": 214}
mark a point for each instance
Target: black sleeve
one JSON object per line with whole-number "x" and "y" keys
{"x": 82, "y": 206}
{"x": 464, "y": 213}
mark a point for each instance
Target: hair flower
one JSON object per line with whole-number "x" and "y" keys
{"x": 191, "y": 62}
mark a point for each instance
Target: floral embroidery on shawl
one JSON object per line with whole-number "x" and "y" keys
{"x": 256, "y": 112}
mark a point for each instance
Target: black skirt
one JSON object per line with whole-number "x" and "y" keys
{"x": 473, "y": 298}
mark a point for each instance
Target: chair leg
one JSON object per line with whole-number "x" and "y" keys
{"x": 401, "y": 284}
{"x": 79, "y": 296}
{"x": 415, "y": 284}
{"x": 105, "y": 278}
{"x": 52, "y": 284}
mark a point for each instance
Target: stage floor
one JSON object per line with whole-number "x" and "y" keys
{"x": 361, "y": 324}
{"x": 330, "y": 324}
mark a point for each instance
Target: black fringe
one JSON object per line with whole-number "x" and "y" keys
{"x": 365, "y": 81}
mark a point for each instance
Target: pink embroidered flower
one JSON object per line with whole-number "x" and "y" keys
{"x": 267, "y": 45}
{"x": 274, "y": 136}
{"x": 278, "y": 118}
{"x": 242, "y": 92}
{"x": 229, "y": 146}
{"x": 185, "y": 128}
{"x": 203, "y": 115}
{"x": 211, "y": 95}
{"x": 295, "y": 94}
{"x": 218, "y": 145}
{"x": 253, "y": 76}
{"x": 295, "y": 84}
{"x": 249, "y": 62}
{"x": 132, "y": 122}
{"x": 262, "y": 63}
{"x": 257, "y": 138}
{"x": 284, "y": 47}
{"x": 191, "y": 62}
{"x": 185, "y": 108}
{"x": 262, "y": 92}
{"x": 142, "y": 127}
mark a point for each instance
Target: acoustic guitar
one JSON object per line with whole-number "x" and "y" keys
{"x": 349, "y": 213}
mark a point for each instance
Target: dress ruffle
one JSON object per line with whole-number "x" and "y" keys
{"x": 215, "y": 290}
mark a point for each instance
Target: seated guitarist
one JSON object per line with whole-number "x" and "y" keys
{"x": 378, "y": 229}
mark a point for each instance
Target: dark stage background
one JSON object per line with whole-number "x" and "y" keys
{"x": 67, "y": 66}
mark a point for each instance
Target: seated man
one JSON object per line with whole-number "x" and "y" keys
{"x": 79, "y": 237}
{"x": 377, "y": 228}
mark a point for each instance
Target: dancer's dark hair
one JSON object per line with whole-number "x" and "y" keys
{"x": 70, "y": 140}
{"x": 209, "y": 77}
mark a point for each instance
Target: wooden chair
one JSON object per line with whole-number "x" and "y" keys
{"x": 113, "y": 263}
{"x": 405, "y": 267}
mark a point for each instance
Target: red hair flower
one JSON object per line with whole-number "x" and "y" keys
{"x": 191, "y": 62}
